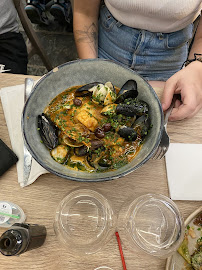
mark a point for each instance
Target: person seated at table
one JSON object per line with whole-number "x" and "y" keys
{"x": 61, "y": 10}
{"x": 150, "y": 37}
{"x": 13, "y": 51}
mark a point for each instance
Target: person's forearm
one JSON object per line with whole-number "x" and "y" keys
{"x": 197, "y": 44}
{"x": 86, "y": 27}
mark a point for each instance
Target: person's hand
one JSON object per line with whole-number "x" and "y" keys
{"x": 188, "y": 83}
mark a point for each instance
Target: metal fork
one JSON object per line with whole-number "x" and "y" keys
{"x": 29, "y": 83}
{"x": 165, "y": 140}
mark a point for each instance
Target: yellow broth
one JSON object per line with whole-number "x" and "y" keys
{"x": 65, "y": 114}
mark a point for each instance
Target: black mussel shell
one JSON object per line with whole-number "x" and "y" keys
{"x": 128, "y": 90}
{"x": 92, "y": 159}
{"x": 128, "y": 133}
{"x": 142, "y": 125}
{"x": 104, "y": 163}
{"x": 99, "y": 162}
{"x": 139, "y": 107}
{"x": 83, "y": 90}
{"x": 48, "y": 131}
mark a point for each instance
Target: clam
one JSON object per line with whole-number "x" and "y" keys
{"x": 104, "y": 94}
{"x": 101, "y": 93}
{"x": 128, "y": 90}
{"x": 111, "y": 94}
{"x": 70, "y": 142}
{"x": 82, "y": 161}
{"x": 48, "y": 131}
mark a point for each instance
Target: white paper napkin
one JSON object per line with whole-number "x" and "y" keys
{"x": 12, "y": 99}
{"x": 184, "y": 171}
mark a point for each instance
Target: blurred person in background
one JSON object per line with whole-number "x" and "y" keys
{"x": 13, "y": 51}
{"x": 61, "y": 10}
{"x": 150, "y": 37}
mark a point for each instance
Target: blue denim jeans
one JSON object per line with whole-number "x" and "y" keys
{"x": 155, "y": 56}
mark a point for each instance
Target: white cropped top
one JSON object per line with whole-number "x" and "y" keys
{"x": 163, "y": 16}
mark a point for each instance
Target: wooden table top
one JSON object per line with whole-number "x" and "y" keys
{"x": 39, "y": 202}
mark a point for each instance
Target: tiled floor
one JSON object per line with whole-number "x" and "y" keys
{"x": 58, "y": 42}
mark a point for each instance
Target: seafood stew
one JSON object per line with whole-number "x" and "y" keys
{"x": 95, "y": 127}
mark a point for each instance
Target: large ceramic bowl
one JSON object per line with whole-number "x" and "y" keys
{"x": 78, "y": 73}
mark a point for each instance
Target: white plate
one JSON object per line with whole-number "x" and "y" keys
{"x": 176, "y": 261}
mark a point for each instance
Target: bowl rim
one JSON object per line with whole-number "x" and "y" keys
{"x": 101, "y": 178}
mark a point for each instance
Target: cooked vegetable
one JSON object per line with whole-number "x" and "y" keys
{"x": 183, "y": 250}
{"x": 196, "y": 260}
{"x": 60, "y": 153}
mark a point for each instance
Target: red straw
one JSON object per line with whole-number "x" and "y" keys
{"x": 121, "y": 251}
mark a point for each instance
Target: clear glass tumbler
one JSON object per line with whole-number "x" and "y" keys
{"x": 153, "y": 223}
{"x": 84, "y": 221}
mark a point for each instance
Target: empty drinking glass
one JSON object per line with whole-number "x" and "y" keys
{"x": 84, "y": 221}
{"x": 151, "y": 222}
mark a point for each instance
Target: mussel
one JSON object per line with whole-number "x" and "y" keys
{"x": 119, "y": 120}
{"x": 142, "y": 125}
{"x": 134, "y": 107}
{"x": 128, "y": 90}
{"x": 128, "y": 133}
{"x": 100, "y": 162}
{"x": 48, "y": 131}
{"x": 84, "y": 90}
{"x": 105, "y": 162}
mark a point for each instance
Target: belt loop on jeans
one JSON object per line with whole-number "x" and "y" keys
{"x": 160, "y": 36}
{"x": 118, "y": 24}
